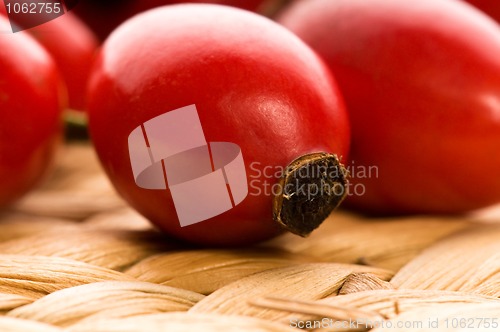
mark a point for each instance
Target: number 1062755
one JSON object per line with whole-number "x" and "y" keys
{"x": 34, "y": 8}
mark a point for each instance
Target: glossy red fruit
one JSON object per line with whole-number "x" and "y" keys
{"x": 492, "y": 8}
{"x": 104, "y": 16}
{"x": 72, "y": 45}
{"x": 30, "y": 112}
{"x": 253, "y": 84}
{"x": 421, "y": 81}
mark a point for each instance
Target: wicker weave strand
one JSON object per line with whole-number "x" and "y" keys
{"x": 74, "y": 258}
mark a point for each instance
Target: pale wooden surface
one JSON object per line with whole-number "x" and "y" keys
{"x": 74, "y": 257}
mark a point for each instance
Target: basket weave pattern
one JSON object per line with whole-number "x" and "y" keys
{"x": 74, "y": 257}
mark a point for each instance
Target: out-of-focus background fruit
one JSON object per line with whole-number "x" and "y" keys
{"x": 104, "y": 16}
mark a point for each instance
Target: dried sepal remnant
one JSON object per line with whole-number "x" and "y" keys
{"x": 312, "y": 186}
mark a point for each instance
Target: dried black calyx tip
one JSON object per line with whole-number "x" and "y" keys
{"x": 312, "y": 186}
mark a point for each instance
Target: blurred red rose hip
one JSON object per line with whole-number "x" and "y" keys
{"x": 30, "y": 112}
{"x": 72, "y": 45}
{"x": 103, "y": 16}
{"x": 421, "y": 81}
{"x": 492, "y": 8}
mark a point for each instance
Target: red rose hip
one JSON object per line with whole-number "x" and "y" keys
{"x": 30, "y": 112}
{"x": 178, "y": 84}
{"x": 71, "y": 44}
{"x": 492, "y": 8}
{"x": 103, "y": 16}
{"x": 421, "y": 80}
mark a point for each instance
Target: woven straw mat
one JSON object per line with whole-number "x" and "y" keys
{"x": 74, "y": 257}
